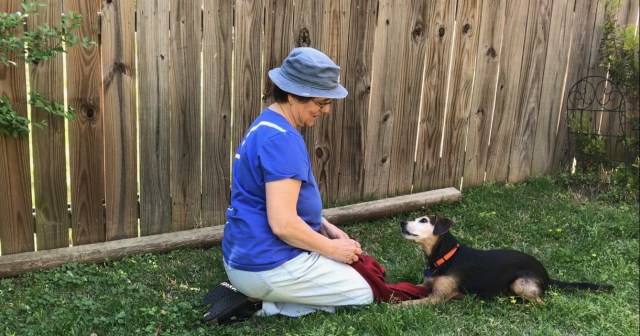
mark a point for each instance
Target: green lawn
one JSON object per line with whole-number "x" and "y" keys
{"x": 576, "y": 237}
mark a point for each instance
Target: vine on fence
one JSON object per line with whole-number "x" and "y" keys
{"x": 40, "y": 44}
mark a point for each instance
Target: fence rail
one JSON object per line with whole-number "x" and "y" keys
{"x": 441, "y": 93}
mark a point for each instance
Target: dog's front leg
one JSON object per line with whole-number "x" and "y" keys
{"x": 443, "y": 289}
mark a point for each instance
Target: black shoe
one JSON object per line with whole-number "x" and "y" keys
{"x": 228, "y": 305}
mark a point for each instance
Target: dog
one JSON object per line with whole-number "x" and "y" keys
{"x": 455, "y": 269}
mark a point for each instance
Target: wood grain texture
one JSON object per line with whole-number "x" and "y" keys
{"x": 154, "y": 56}
{"x": 86, "y": 147}
{"x": 492, "y": 22}
{"x": 530, "y": 87}
{"x": 185, "y": 76}
{"x": 48, "y": 143}
{"x": 508, "y": 96}
{"x": 357, "y": 80}
{"x": 584, "y": 22}
{"x": 247, "y": 68}
{"x": 16, "y": 219}
{"x": 398, "y": 63}
{"x": 120, "y": 129}
{"x": 553, "y": 92}
{"x": 216, "y": 152}
{"x": 463, "y": 63}
{"x": 329, "y": 131}
{"x": 277, "y": 42}
{"x": 440, "y": 35}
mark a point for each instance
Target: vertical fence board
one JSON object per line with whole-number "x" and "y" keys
{"x": 553, "y": 94}
{"x": 119, "y": 73}
{"x": 357, "y": 80}
{"x": 217, "y": 52}
{"x": 16, "y": 219}
{"x": 531, "y": 76}
{"x": 406, "y": 88}
{"x": 48, "y": 143}
{"x": 247, "y": 71}
{"x": 185, "y": 74}
{"x": 380, "y": 120}
{"x": 439, "y": 33}
{"x": 490, "y": 44}
{"x": 508, "y": 96}
{"x": 86, "y": 132}
{"x": 277, "y": 42}
{"x": 328, "y": 133}
{"x": 154, "y": 115}
{"x": 465, "y": 52}
{"x": 308, "y": 20}
{"x": 581, "y": 35}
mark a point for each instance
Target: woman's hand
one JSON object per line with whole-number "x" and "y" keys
{"x": 331, "y": 231}
{"x": 345, "y": 250}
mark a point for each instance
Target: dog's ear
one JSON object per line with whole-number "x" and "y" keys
{"x": 442, "y": 225}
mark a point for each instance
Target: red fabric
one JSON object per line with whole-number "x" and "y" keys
{"x": 374, "y": 273}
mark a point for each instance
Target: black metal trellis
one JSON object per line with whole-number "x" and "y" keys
{"x": 596, "y": 122}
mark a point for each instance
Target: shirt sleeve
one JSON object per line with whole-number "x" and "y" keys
{"x": 284, "y": 156}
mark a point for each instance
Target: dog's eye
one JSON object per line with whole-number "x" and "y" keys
{"x": 423, "y": 220}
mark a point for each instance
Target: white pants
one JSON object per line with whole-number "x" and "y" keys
{"x": 303, "y": 285}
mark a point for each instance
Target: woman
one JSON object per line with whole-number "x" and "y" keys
{"x": 277, "y": 247}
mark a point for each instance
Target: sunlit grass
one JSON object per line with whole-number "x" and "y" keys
{"x": 588, "y": 239}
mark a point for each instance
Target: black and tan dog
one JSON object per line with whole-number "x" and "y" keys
{"x": 455, "y": 269}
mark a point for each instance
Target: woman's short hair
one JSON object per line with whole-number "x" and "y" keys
{"x": 281, "y": 96}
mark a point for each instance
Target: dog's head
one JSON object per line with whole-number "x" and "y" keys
{"x": 426, "y": 230}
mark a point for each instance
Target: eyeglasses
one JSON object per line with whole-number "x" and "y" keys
{"x": 322, "y": 105}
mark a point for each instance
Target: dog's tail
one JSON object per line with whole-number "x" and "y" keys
{"x": 581, "y": 285}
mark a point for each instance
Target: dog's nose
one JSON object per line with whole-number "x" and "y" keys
{"x": 403, "y": 223}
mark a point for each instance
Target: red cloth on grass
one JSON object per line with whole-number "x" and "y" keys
{"x": 374, "y": 273}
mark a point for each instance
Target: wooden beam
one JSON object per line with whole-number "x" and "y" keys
{"x": 390, "y": 206}
{"x": 16, "y": 264}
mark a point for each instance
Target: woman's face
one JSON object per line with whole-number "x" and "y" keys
{"x": 307, "y": 113}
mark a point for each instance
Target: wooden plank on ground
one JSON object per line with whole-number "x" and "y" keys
{"x": 153, "y": 81}
{"x": 390, "y": 206}
{"x": 185, "y": 81}
{"x": 217, "y": 53}
{"x": 491, "y": 24}
{"x": 439, "y": 31}
{"x": 48, "y": 143}
{"x": 120, "y": 125}
{"x": 552, "y": 96}
{"x": 465, "y": 52}
{"x": 13, "y": 265}
{"x": 85, "y": 133}
{"x": 530, "y": 86}
{"x": 508, "y": 96}
{"x": 25, "y": 262}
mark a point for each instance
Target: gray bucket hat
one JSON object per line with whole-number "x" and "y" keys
{"x": 307, "y": 72}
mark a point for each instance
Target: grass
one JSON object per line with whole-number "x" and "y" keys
{"x": 577, "y": 238}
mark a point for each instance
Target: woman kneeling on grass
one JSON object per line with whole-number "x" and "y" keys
{"x": 277, "y": 247}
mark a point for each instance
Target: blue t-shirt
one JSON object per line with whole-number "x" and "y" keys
{"x": 272, "y": 150}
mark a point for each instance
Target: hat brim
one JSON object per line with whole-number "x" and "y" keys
{"x": 303, "y": 90}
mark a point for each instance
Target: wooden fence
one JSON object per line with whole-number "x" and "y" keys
{"x": 441, "y": 93}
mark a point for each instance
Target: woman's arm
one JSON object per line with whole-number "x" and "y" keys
{"x": 282, "y": 198}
